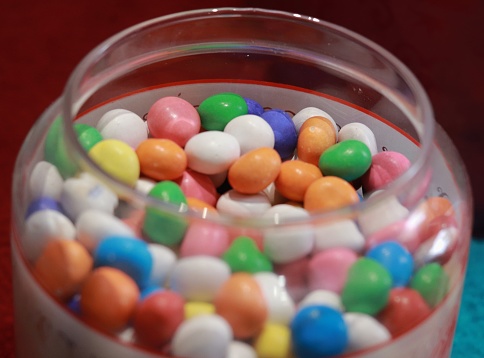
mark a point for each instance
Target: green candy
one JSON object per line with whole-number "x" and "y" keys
{"x": 432, "y": 282}
{"x": 87, "y": 135}
{"x": 218, "y": 110}
{"x": 164, "y": 227}
{"x": 367, "y": 287}
{"x": 55, "y": 151}
{"x": 244, "y": 256}
{"x": 349, "y": 160}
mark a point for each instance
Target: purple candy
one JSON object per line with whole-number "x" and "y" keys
{"x": 253, "y": 107}
{"x": 43, "y": 203}
{"x": 285, "y": 133}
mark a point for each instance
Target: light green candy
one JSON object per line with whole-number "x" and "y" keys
{"x": 244, "y": 256}
{"x": 218, "y": 110}
{"x": 432, "y": 282}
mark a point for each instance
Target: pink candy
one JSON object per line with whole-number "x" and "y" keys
{"x": 385, "y": 168}
{"x": 204, "y": 238}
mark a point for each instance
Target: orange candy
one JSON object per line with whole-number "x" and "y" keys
{"x": 295, "y": 177}
{"x": 161, "y": 159}
{"x": 329, "y": 193}
{"x": 254, "y": 170}
{"x": 109, "y": 298}
{"x": 315, "y": 136}
{"x": 201, "y": 207}
{"x": 63, "y": 267}
{"x": 241, "y": 303}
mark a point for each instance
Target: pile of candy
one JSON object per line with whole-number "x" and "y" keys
{"x": 193, "y": 287}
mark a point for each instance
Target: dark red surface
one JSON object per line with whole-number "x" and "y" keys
{"x": 441, "y": 41}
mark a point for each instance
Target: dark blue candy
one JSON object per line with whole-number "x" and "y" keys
{"x": 74, "y": 304}
{"x": 253, "y": 107}
{"x": 285, "y": 133}
{"x": 318, "y": 331}
{"x": 127, "y": 254}
{"x": 42, "y": 203}
{"x": 396, "y": 259}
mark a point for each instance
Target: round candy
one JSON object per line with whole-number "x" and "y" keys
{"x": 204, "y": 238}
{"x": 197, "y": 185}
{"x": 304, "y": 114}
{"x": 239, "y": 349}
{"x": 45, "y": 180}
{"x": 161, "y": 159}
{"x": 204, "y": 336}
{"x": 251, "y": 132}
{"x": 212, "y": 152}
{"x": 157, "y": 318}
{"x": 219, "y": 109}
{"x": 253, "y": 107}
{"x": 294, "y": 178}
{"x": 316, "y": 136}
{"x": 123, "y": 125}
{"x": 329, "y": 193}
{"x": 254, "y": 171}
{"x": 109, "y": 298}
{"x": 285, "y": 134}
{"x": 87, "y": 135}
{"x": 42, "y": 203}
{"x": 243, "y": 205}
{"x": 348, "y": 160}
{"x": 385, "y": 168}
{"x": 432, "y": 282}
{"x": 367, "y": 288}
{"x": 173, "y": 118}
{"x": 361, "y": 132}
{"x": 163, "y": 262}
{"x": 62, "y": 267}
{"x": 342, "y": 233}
{"x": 241, "y": 303}
{"x": 193, "y": 309}
{"x": 364, "y": 331}
{"x": 322, "y": 298}
{"x": 244, "y": 256}
{"x": 396, "y": 259}
{"x": 117, "y": 159}
{"x": 273, "y": 342}
{"x": 318, "y": 331}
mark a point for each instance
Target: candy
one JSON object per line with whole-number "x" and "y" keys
{"x": 316, "y": 135}
{"x": 201, "y": 207}
{"x": 193, "y": 309}
{"x": 43, "y": 203}
{"x": 273, "y": 342}
{"x": 117, "y": 159}
{"x": 349, "y": 160}
{"x": 295, "y": 276}
{"x": 253, "y": 107}
{"x": 318, "y": 331}
{"x": 304, "y": 114}
{"x": 438, "y": 248}
{"x": 385, "y": 168}
{"x": 55, "y": 150}
{"x": 367, "y": 288}
{"x": 342, "y": 233}
{"x": 108, "y": 299}
{"x": 254, "y": 171}
{"x": 87, "y": 135}
{"x": 163, "y": 260}
{"x": 322, "y": 298}
{"x": 45, "y": 180}
{"x": 364, "y": 331}
{"x": 285, "y": 134}
{"x": 329, "y": 193}
{"x": 242, "y": 205}
{"x": 241, "y": 303}
{"x": 294, "y": 178}
{"x": 203, "y": 238}
{"x": 431, "y": 282}
{"x": 212, "y": 152}
{"x": 204, "y": 336}
{"x": 123, "y": 125}
{"x": 218, "y": 110}
{"x": 197, "y": 185}
{"x": 361, "y": 132}
{"x": 62, "y": 267}
{"x": 157, "y": 318}
{"x": 161, "y": 159}
{"x": 251, "y": 131}
{"x": 244, "y": 256}
{"x": 173, "y": 118}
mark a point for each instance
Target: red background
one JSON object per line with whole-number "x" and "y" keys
{"x": 441, "y": 41}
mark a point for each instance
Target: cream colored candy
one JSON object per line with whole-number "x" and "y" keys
{"x": 360, "y": 132}
{"x": 123, "y": 125}
{"x": 364, "y": 331}
{"x": 322, "y": 297}
{"x": 251, "y": 131}
{"x": 239, "y": 349}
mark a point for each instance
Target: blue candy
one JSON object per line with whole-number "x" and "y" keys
{"x": 74, "y": 304}
{"x": 396, "y": 259}
{"x": 318, "y": 331}
{"x": 253, "y": 107}
{"x": 127, "y": 254}
{"x": 285, "y": 133}
{"x": 43, "y": 203}
{"x": 148, "y": 291}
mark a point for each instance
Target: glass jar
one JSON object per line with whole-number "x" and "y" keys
{"x": 283, "y": 61}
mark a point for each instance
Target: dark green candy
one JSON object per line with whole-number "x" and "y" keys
{"x": 218, "y": 110}
{"x": 244, "y": 256}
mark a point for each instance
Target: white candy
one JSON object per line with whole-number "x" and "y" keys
{"x": 212, "y": 152}
{"x": 304, "y": 114}
{"x": 45, "y": 180}
{"x": 240, "y": 350}
{"x": 322, "y": 297}
{"x": 284, "y": 244}
{"x": 94, "y": 225}
{"x": 123, "y": 125}
{"x": 204, "y": 336}
{"x": 163, "y": 261}
{"x": 381, "y": 214}
{"x": 280, "y": 305}
{"x": 236, "y": 204}
{"x": 359, "y": 131}
{"x": 84, "y": 193}
{"x": 144, "y": 185}
{"x": 198, "y": 278}
{"x": 364, "y": 331}
{"x": 343, "y": 233}
{"x": 42, "y": 227}
{"x": 251, "y": 132}
{"x": 275, "y": 197}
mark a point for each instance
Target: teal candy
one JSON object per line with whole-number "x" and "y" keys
{"x": 218, "y": 110}
{"x": 55, "y": 151}
{"x": 161, "y": 226}
{"x": 244, "y": 256}
{"x": 87, "y": 135}
{"x": 348, "y": 160}
{"x": 432, "y": 282}
{"x": 367, "y": 287}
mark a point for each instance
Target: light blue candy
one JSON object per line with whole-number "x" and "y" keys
{"x": 396, "y": 259}
{"x": 127, "y": 254}
{"x": 318, "y": 331}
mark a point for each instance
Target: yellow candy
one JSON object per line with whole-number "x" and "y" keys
{"x": 273, "y": 342}
{"x": 117, "y": 159}
{"x": 193, "y": 309}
